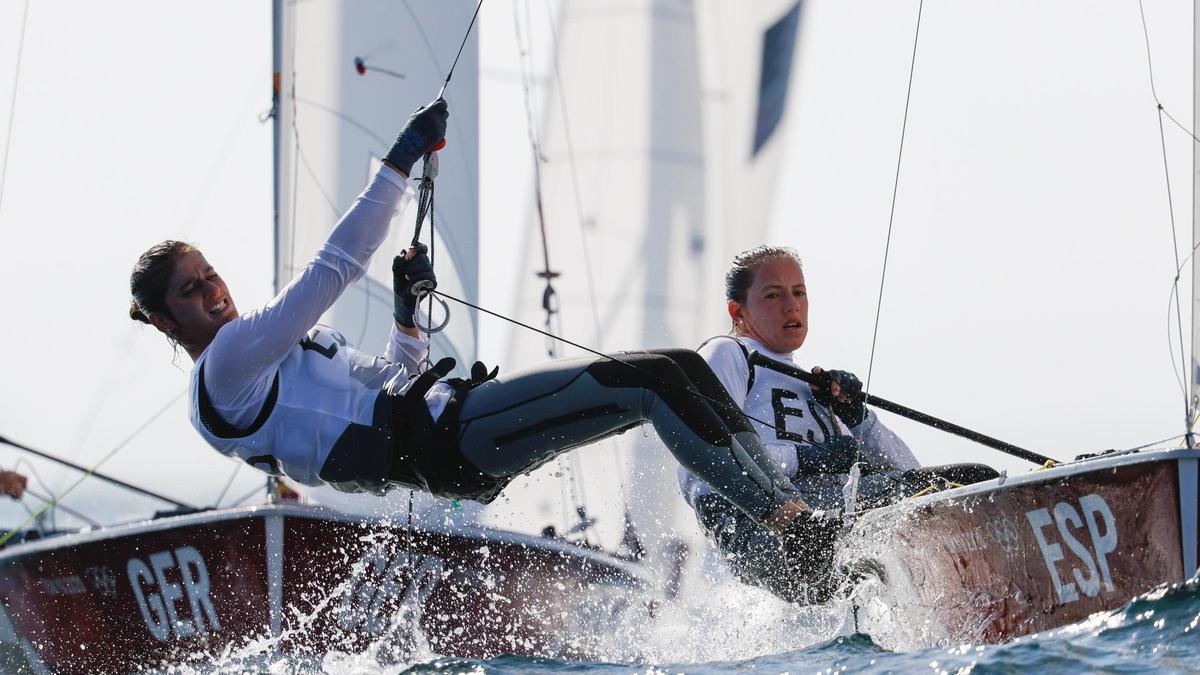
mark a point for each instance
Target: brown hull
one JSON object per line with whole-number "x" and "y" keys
{"x": 1002, "y": 559}
{"x": 185, "y": 588}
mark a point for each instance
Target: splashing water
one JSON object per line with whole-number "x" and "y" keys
{"x": 720, "y": 625}
{"x": 1154, "y": 632}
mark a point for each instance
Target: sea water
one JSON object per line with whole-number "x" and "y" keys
{"x": 733, "y": 628}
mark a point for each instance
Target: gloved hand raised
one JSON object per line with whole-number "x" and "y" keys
{"x": 841, "y": 392}
{"x": 409, "y": 269}
{"x": 420, "y": 134}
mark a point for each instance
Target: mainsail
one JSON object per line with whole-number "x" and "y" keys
{"x": 349, "y": 74}
{"x": 673, "y": 141}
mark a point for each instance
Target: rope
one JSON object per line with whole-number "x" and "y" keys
{"x": 549, "y": 295}
{"x": 576, "y": 192}
{"x": 895, "y": 190}
{"x": 1147, "y": 445}
{"x": 641, "y": 371}
{"x": 645, "y": 373}
{"x": 250, "y": 494}
{"x": 570, "y": 464}
{"x": 12, "y": 110}
{"x": 425, "y": 206}
{"x": 597, "y": 325}
{"x": 56, "y": 498}
{"x": 229, "y": 483}
{"x": 1187, "y": 405}
{"x": 460, "y": 49}
{"x": 409, "y": 532}
{"x": 1172, "y": 298}
{"x": 69, "y": 512}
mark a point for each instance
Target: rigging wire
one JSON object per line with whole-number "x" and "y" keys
{"x": 577, "y": 194}
{"x": 229, "y": 483}
{"x": 250, "y": 494}
{"x": 1187, "y": 404}
{"x": 895, "y": 190}
{"x": 55, "y": 499}
{"x": 12, "y": 109}
{"x": 572, "y": 487}
{"x": 37, "y": 477}
{"x": 460, "y": 49}
{"x": 645, "y": 373}
{"x": 1153, "y": 91}
{"x": 732, "y": 408}
{"x": 1172, "y": 299}
{"x": 59, "y": 507}
{"x": 1149, "y": 445}
{"x": 425, "y": 199}
{"x": 549, "y": 296}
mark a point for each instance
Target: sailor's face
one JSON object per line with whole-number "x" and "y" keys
{"x": 198, "y": 300}
{"x": 776, "y": 309}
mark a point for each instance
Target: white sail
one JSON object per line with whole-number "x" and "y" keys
{"x": 335, "y": 121}
{"x": 675, "y": 174}
{"x": 749, "y": 53}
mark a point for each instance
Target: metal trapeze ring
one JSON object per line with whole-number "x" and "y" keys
{"x": 431, "y": 329}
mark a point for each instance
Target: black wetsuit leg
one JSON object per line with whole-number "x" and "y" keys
{"x": 758, "y": 557}
{"x": 513, "y": 424}
{"x": 705, "y": 381}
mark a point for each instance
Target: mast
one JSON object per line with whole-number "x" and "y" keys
{"x": 347, "y": 75}
{"x": 281, "y": 121}
{"x": 1194, "y": 375}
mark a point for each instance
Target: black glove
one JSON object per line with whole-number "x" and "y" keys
{"x": 810, "y": 542}
{"x": 405, "y": 274}
{"x": 835, "y": 455}
{"x": 849, "y": 406}
{"x": 423, "y": 130}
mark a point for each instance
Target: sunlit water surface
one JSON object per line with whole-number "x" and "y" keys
{"x": 732, "y": 628}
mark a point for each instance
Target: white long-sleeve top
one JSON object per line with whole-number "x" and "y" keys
{"x": 289, "y": 390}
{"x": 785, "y": 414}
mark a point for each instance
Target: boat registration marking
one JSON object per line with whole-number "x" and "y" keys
{"x": 381, "y": 585}
{"x": 164, "y": 579}
{"x": 69, "y": 585}
{"x": 1068, "y": 521}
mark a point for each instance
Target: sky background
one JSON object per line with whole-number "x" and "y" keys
{"x": 1028, "y": 281}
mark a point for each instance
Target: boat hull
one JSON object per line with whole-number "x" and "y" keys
{"x": 298, "y": 581}
{"x": 997, "y": 560}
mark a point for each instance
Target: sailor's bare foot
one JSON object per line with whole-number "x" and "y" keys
{"x": 784, "y": 515}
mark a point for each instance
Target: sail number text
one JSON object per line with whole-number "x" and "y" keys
{"x": 1090, "y": 532}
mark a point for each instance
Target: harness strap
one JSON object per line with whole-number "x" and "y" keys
{"x": 745, "y": 352}
{"x": 426, "y": 455}
{"x": 219, "y": 427}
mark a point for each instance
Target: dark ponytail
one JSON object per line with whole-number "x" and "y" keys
{"x": 740, "y": 276}
{"x": 148, "y": 281}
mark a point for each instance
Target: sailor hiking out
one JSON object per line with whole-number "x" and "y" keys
{"x": 272, "y": 387}
{"x": 813, "y": 434}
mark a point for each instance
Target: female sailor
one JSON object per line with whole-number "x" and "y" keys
{"x": 813, "y": 434}
{"x": 294, "y": 398}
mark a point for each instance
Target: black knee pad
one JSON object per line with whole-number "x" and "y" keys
{"x": 706, "y": 382}
{"x": 662, "y": 375}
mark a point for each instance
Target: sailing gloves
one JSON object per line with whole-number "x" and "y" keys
{"x": 409, "y": 278}
{"x": 810, "y": 541}
{"x": 848, "y": 406}
{"x": 836, "y": 454}
{"x": 424, "y": 130}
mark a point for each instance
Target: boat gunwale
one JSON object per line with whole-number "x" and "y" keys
{"x": 1057, "y": 472}
{"x": 315, "y": 512}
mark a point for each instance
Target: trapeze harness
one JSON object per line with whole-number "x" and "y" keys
{"x": 311, "y": 420}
